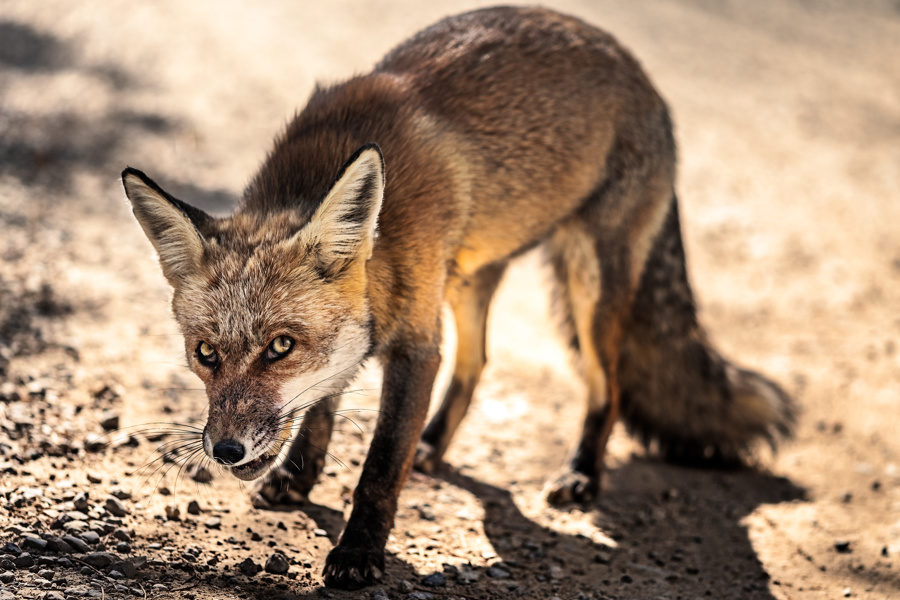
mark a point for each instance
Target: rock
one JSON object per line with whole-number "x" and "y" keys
{"x": 91, "y": 477}
{"x": 46, "y": 574}
{"x": 199, "y": 473}
{"x": 173, "y": 513}
{"x": 466, "y": 577}
{"x": 7, "y": 564}
{"x": 843, "y": 547}
{"x": 91, "y": 537}
{"x": 497, "y": 573}
{"x": 421, "y": 596}
{"x": 60, "y": 545}
{"x": 405, "y": 587}
{"x": 7, "y": 577}
{"x": 278, "y": 564}
{"x": 115, "y": 574}
{"x": 122, "y": 535}
{"x": 121, "y": 494}
{"x": 435, "y": 580}
{"x": 126, "y": 567}
{"x": 23, "y": 561}
{"x": 99, "y": 560}
{"x": 115, "y": 507}
{"x": 65, "y": 563}
{"x": 33, "y": 543}
{"x": 249, "y": 568}
{"x": 213, "y": 523}
{"x": 320, "y": 533}
{"x": 109, "y": 420}
{"x": 11, "y": 548}
{"x": 380, "y": 594}
{"x": 81, "y": 502}
{"x": 76, "y": 544}
{"x": 94, "y": 442}
{"x": 193, "y": 507}
{"x": 75, "y": 527}
{"x": 123, "y": 548}
{"x": 9, "y": 393}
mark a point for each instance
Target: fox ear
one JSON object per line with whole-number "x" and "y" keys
{"x": 342, "y": 229}
{"x": 172, "y": 226}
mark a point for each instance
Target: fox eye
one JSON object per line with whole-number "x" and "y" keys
{"x": 279, "y": 347}
{"x": 207, "y": 355}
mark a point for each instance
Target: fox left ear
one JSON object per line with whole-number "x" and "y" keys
{"x": 172, "y": 226}
{"x": 342, "y": 229}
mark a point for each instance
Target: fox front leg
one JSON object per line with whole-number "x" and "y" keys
{"x": 358, "y": 559}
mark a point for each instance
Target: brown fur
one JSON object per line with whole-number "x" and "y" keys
{"x": 500, "y": 129}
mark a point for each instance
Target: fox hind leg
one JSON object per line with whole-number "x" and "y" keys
{"x": 469, "y": 299}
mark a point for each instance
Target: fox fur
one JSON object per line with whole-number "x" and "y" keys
{"x": 395, "y": 192}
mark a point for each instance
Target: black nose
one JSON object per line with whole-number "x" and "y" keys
{"x": 228, "y": 452}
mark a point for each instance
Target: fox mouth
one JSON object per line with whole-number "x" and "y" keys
{"x": 257, "y": 466}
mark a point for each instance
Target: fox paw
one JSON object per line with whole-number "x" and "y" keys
{"x": 572, "y": 487}
{"x": 426, "y": 460}
{"x": 279, "y": 487}
{"x": 353, "y": 568}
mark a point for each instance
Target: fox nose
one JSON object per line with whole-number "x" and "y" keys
{"x": 228, "y": 452}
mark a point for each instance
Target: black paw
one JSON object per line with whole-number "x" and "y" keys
{"x": 353, "y": 568}
{"x": 572, "y": 487}
{"x": 279, "y": 488}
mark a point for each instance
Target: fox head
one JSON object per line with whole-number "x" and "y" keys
{"x": 272, "y": 306}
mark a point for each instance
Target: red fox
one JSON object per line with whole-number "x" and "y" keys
{"x": 481, "y": 137}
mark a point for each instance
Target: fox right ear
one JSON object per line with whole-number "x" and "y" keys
{"x": 172, "y": 226}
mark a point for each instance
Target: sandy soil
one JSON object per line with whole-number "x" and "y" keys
{"x": 788, "y": 120}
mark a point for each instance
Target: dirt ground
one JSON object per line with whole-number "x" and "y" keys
{"x": 788, "y": 122}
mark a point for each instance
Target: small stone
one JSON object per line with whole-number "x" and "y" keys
{"x": 212, "y": 523}
{"x": 193, "y": 507}
{"x": 81, "y": 502}
{"x": 320, "y": 533}
{"x": 425, "y": 512}
{"x": 556, "y": 572}
{"x": 435, "y": 580}
{"x": 466, "y": 577}
{"x": 11, "y": 548}
{"x": 115, "y": 507}
{"x": 23, "y": 561}
{"x": 46, "y": 573}
{"x": 173, "y": 513}
{"x": 405, "y": 587}
{"x": 53, "y": 596}
{"x": 164, "y": 491}
{"x": 91, "y": 477}
{"x": 33, "y": 543}
{"x": 278, "y": 564}
{"x": 200, "y": 473}
{"x": 121, "y": 494}
{"x": 380, "y": 594}
{"x": 255, "y": 537}
{"x": 122, "y": 535}
{"x": 116, "y": 575}
{"x": 160, "y": 587}
{"x": 497, "y": 573}
{"x": 99, "y": 560}
{"x": 56, "y": 544}
{"x": 94, "y": 442}
{"x": 65, "y": 563}
{"x": 249, "y": 568}
{"x": 75, "y": 526}
{"x": 123, "y": 548}
{"x": 126, "y": 567}
{"x": 7, "y": 577}
{"x": 91, "y": 537}
{"x": 843, "y": 547}
{"x": 421, "y": 596}
{"x": 109, "y": 420}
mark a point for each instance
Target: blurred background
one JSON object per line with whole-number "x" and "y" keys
{"x": 787, "y": 118}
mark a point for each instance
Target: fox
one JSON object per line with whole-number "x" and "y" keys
{"x": 412, "y": 187}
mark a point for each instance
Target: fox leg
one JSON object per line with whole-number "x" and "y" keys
{"x": 469, "y": 300}
{"x": 291, "y": 482}
{"x": 409, "y": 372}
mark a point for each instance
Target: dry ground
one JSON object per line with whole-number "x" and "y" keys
{"x": 788, "y": 120}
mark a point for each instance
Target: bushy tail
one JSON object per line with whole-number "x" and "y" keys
{"x": 679, "y": 395}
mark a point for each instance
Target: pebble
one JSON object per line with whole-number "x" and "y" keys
{"x": 65, "y": 563}
{"x": 11, "y": 548}
{"x": 115, "y": 506}
{"x": 32, "y": 543}
{"x": 200, "y": 473}
{"x": 60, "y": 545}
{"x": 46, "y": 573}
{"x": 7, "y": 577}
{"x": 123, "y": 548}
{"x": 435, "y": 580}
{"x": 121, "y": 494}
{"x": 91, "y": 537}
{"x": 843, "y": 547}
{"x": 91, "y": 477}
{"x": 421, "y": 596}
{"x": 75, "y": 526}
{"x": 116, "y": 575}
{"x": 109, "y": 420}
{"x": 193, "y": 507}
{"x": 81, "y": 502}
{"x": 278, "y": 564}
{"x": 53, "y": 596}
{"x": 94, "y": 442}
{"x": 380, "y": 594}
{"x": 249, "y": 568}
{"x": 23, "y": 561}
{"x": 320, "y": 533}
{"x": 497, "y": 573}
{"x": 467, "y": 577}
{"x": 213, "y": 523}
{"x": 122, "y": 535}
{"x": 99, "y": 560}
{"x": 173, "y": 513}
